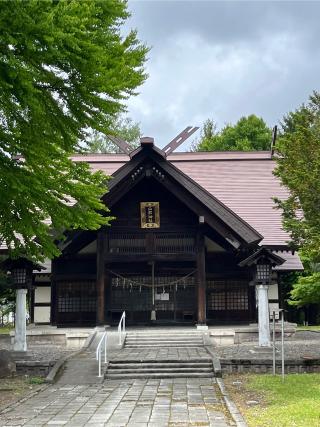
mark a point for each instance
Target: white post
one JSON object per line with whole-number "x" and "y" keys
{"x": 99, "y": 361}
{"x": 282, "y": 344}
{"x": 274, "y": 343}
{"x": 20, "y": 336}
{"x": 263, "y": 316}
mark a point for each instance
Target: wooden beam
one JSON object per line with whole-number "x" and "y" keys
{"x": 121, "y": 143}
{"x": 132, "y": 258}
{"x": 179, "y": 139}
{"x": 201, "y": 277}
{"x": 100, "y": 278}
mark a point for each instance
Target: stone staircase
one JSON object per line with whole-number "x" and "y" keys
{"x": 164, "y": 339}
{"x": 160, "y": 369}
{"x": 161, "y": 354}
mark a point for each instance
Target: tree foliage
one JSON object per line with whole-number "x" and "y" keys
{"x": 7, "y": 294}
{"x": 306, "y": 290}
{"x": 64, "y": 68}
{"x": 298, "y": 167}
{"x": 249, "y": 133}
{"x": 123, "y": 127}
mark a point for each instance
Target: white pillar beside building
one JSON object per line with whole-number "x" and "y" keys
{"x": 20, "y": 337}
{"x": 263, "y": 315}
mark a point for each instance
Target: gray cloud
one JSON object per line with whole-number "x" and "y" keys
{"x": 223, "y": 60}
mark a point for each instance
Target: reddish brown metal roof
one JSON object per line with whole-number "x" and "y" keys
{"x": 243, "y": 181}
{"x": 219, "y": 155}
{"x": 247, "y": 187}
{"x": 292, "y": 262}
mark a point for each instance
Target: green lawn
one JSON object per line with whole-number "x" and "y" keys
{"x": 5, "y": 329}
{"x": 294, "y": 403}
{"x": 309, "y": 328}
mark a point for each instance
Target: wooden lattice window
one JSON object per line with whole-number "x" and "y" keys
{"x": 225, "y": 295}
{"x": 76, "y": 297}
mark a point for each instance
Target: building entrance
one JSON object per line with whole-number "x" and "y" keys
{"x": 157, "y": 297}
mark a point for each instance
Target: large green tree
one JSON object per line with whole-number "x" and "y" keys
{"x": 65, "y": 68}
{"x": 249, "y": 133}
{"x": 122, "y": 127}
{"x": 298, "y": 167}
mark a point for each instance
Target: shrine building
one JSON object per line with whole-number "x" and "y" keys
{"x": 196, "y": 239}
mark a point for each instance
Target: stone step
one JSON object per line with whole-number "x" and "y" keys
{"x": 164, "y": 334}
{"x": 185, "y": 365}
{"x": 21, "y": 355}
{"x": 164, "y": 369}
{"x": 151, "y": 342}
{"x": 161, "y": 361}
{"x": 160, "y": 375}
{"x": 157, "y": 345}
{"x": 164, "y": 339}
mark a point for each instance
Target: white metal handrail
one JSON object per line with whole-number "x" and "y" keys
{"x": 98, "y": 351}
{"x": 122, "y": 327}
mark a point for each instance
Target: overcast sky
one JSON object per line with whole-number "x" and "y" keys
{"x": 223, "y": 60}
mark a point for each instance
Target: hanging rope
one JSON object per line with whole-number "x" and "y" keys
{"x": 161, "y": 285}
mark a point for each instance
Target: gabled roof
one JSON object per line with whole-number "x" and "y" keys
{"x": 262, "y": 253}
{"x": 224, "y": 214}
{"x": 243, "y": 181}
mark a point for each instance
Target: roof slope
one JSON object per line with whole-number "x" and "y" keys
{"x": 242, "y": 181}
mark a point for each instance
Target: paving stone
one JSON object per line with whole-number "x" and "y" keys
{"x": 177, "y": 402}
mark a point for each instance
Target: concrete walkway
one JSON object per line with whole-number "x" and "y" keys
{"x": 145, "y": 403}
{"x": 83, "y": 368}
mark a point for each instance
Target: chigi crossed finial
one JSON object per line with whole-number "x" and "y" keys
{"x": 168, "y": 149}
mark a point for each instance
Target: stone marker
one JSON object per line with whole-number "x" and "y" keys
{"x": 7, "y": 364}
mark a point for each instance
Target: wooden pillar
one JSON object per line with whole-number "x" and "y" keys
{"x": 201, "y": 277}
{"x": 54, "y": 295}
{"x": 100, "y": 277}
{"x": 31, "y": 301}
{"x": 107, "y": 291}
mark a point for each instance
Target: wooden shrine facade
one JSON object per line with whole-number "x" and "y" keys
{"x": 170, "y": 256}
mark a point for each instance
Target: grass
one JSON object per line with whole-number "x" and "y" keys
{"x": 292, "y": 403}
{"x": 15, "y": 388}
{"x": 5, "y": 329}
{"x": 308, "y": 328}
{"x": 36, "y": 380}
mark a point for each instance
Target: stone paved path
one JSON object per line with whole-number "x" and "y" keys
{"x": 145, "y": 403}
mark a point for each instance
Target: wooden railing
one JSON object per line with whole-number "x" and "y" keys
{"x": 127, "y": 243}
{"x": 167, "y": 243}
{"x": 157, "y": 243}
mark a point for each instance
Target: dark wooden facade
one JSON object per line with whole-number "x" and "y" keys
{"x": 186, "y": 270}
